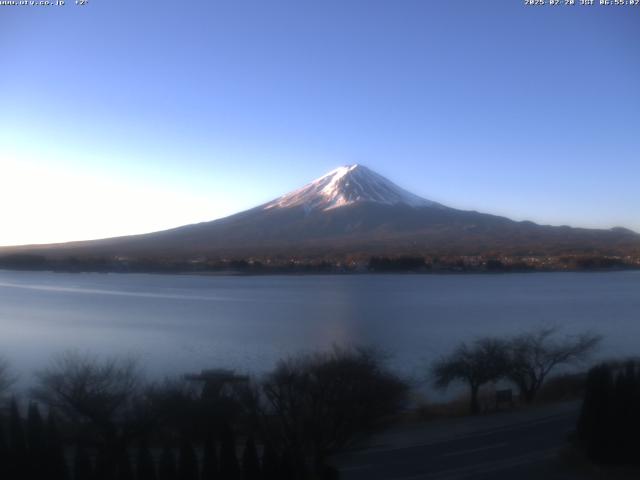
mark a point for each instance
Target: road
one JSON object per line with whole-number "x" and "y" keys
{"x": 518, "y": 445}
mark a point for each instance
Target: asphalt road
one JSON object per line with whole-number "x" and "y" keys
{"x": 511, "y": 447}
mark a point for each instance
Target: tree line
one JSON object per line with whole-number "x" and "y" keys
{"x": 104, "y": 422}
{"x": 284, "y": 264}
{"x": 609, "y": 421}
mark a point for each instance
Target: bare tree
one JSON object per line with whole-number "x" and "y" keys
{"x": 485, "y": 360}
{"x": 322, "y": 402}
{"x": 83, "y": 387}
{"x": 533, "y": 355}
{"x": 95, "y": 394}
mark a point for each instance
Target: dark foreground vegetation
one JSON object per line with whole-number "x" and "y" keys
{"x": 104, "y": 422}
{"x": 356, "y": 263}
{"x": 98, "y": 419}
{"x": 610, "y": 419}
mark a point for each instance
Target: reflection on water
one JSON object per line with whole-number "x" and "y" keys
{"x": 177, "y": 323}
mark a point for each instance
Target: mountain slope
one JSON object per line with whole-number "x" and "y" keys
{"x": 351, "y": 210}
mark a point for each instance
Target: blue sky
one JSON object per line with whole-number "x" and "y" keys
{"x": 124, "y": 117}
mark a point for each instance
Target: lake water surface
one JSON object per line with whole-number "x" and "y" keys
{"x": 182, "y": 323}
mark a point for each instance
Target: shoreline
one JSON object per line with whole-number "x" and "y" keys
{"x": 279, "y": 273}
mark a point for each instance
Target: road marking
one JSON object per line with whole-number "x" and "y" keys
{"x": 474, "y": 450}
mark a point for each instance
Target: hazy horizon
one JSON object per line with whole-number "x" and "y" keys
{"x": 121, "y": 118}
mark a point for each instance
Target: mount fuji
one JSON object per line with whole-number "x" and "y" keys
{"x": 351, "y": 210}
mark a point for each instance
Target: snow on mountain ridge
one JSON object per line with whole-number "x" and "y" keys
{"x": 348, "y": 185}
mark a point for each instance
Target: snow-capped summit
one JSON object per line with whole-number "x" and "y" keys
{"x": 348, "y": 185}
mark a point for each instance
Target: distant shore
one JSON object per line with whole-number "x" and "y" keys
{"x": 419, "y": 265}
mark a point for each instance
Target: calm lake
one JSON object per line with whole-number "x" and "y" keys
{"x": 180, "y": 323}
